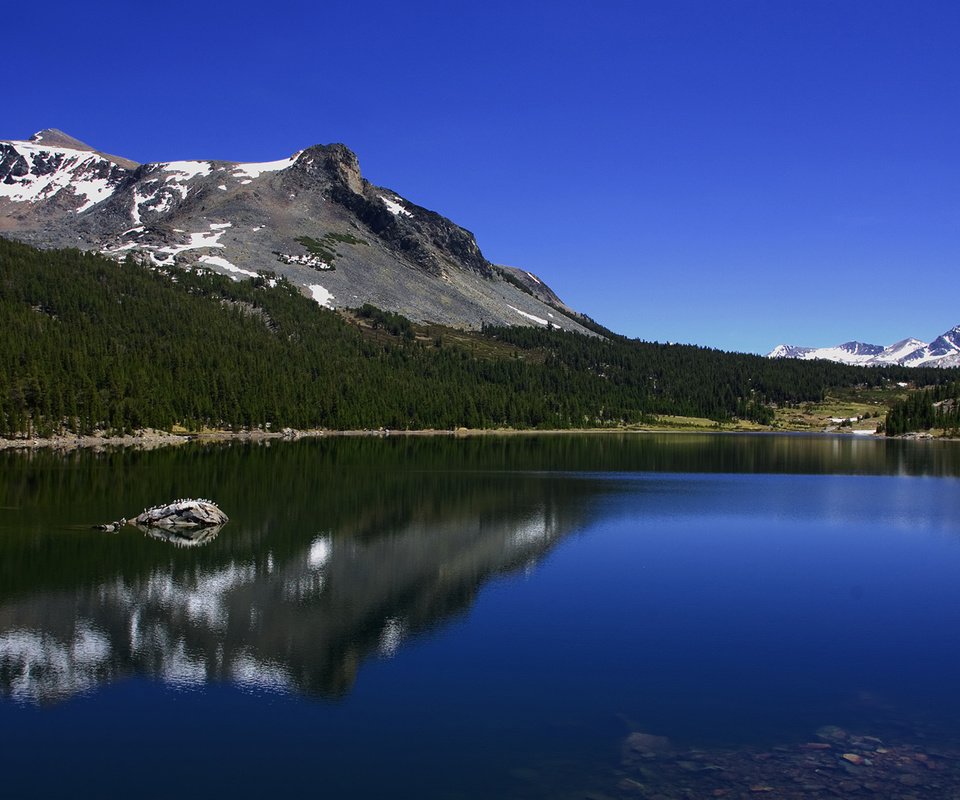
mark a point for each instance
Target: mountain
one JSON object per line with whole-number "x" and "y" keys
{"x": 311, "y": 218}
{"x": 944, "y": 351}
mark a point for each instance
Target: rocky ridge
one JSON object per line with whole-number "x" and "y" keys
{"x": 311, "y": 218}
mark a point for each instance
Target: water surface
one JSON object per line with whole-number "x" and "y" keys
{"x": 467, "y": 618}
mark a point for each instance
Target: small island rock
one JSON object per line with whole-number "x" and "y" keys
{"x": 185, "y": 513}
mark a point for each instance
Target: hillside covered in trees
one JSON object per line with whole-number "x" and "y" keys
{"x": 935, "y": 407}
{"x": 92, "y": 344}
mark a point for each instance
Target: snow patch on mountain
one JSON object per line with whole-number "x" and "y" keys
{"x": 179, "y": 174}
{"x": 157, "y": 198}
{"x": 395, "y": 207}
{"x": 197, "y": 240}
{"x": 538, "y": 320}
{"x": 222, "y": 263}
{"x": 185, "y": 170}
{"x": 165, "y": 256}
{"x": 256, "y": 170}
{"x": 321, "y": 295}
{"x": 94, "y": 190}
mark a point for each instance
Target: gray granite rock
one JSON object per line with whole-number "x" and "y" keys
{"x": 184, "y": 513}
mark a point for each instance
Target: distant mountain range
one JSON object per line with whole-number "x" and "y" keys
{"x": 311, "y": 218}
{"x": 944, "y": 351}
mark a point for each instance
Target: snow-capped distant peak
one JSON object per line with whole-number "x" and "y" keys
{"x": 788, "y": 351}
{"x": 861, "y": 349}
{"x": 899, "y": 351}
{"x": 941, "y": 352}
{"x": 946, "y": 343}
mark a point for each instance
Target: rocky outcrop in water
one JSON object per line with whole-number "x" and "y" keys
{"x": 184, "y": 513}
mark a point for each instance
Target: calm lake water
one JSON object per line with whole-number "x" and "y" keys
{"x": 484, "y": 618}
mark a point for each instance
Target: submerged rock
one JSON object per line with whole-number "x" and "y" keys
{"x": 647, "y": 745}
{"x": 184, "y": 513}
{"x": 833, "y": 733}
{"x": 111, "y": 527}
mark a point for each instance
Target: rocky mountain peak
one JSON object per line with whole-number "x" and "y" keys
{"x": 947, "y": 343}
{"x": 861, "y": 348}
{"x": 337, "y": 161}
{"x": 53, "y": 137}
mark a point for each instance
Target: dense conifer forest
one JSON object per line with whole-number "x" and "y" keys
{"x": 935, "y": 407}
{"x": 91, "y": 344}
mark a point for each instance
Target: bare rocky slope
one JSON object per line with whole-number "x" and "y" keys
{"x": 311, "y": 217}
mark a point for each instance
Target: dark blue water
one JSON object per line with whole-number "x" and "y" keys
{"x": 464, "y": 622}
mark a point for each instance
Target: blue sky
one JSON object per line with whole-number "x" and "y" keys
{"x": 733, "y": 174}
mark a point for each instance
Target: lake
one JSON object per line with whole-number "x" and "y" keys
{"x": 563, "y": 616}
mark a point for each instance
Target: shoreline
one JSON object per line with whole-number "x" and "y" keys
{"x": 153, "y": 439}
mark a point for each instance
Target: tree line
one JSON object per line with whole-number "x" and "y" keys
{"x": 688, "y": 380}
{"x": 92, "y": 344}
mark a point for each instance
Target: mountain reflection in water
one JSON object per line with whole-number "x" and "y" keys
{"x": 324, "y": 565}
{"x": 338, "y": 550}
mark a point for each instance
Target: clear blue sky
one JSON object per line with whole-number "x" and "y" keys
{"x": 733, "y": 174}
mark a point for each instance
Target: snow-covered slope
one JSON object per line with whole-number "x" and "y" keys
{"x": 902, "y": 351}
{"x": 944, "y": 351}
{"x": 790, "y": 351}
{"x": 65, "y": 179}
{"x": 310, "y": 217}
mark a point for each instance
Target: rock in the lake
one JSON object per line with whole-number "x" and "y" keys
{"x": 111, "y": 527}
{"x": 833, "y": 733}
{"x": 183, "y": 514}
{"x": 648, "y": 745}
